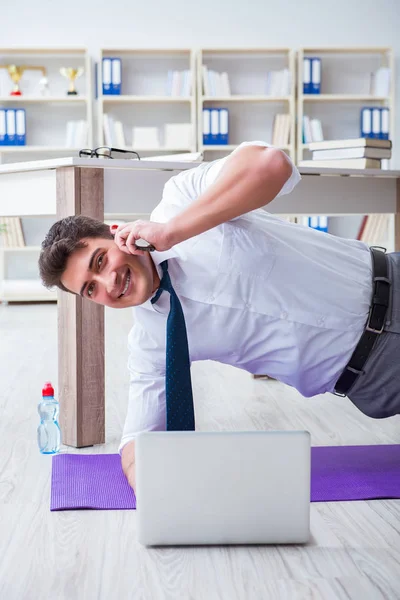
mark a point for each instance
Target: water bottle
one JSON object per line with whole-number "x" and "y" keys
{"x": 48, "y": 433}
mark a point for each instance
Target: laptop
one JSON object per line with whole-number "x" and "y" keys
{"x": 223, "y": 487}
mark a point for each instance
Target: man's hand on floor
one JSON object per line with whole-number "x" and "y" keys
{"x": 128, "y": 463}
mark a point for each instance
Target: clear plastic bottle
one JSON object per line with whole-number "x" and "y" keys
{"x": 48, "y": 432}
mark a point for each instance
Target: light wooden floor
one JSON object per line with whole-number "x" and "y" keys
{"x": 93, "y": 555}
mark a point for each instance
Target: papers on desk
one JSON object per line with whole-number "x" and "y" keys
{"x": 185, "y": 156}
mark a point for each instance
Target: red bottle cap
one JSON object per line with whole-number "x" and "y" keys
{"x": 48, "y": 389}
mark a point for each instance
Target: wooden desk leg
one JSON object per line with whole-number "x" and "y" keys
{"x": 80, "y": 325}
{"x": 397, "y": 218}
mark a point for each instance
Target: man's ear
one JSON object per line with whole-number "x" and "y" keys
{"x": 113, "y": 229}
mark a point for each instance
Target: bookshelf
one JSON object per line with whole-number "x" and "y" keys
{"x": 252, "y": 106}
{"x": 346, "y": 86}
{"x": 146, "y": 100}
{"x": 48, "y": 108}
{"x": 345, "y": 89}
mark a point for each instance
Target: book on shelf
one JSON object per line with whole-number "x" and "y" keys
{"x": 312, "y": 130}
{"x": 113, "y": 132}
{"x": 11, "y": 234}
{"x": 350, "y": 143}
{"x": 278, "y": 83}
{"x": 350, "y": 163}
{"x": 380, "y": 82}
{"x": 214, "y": 83}
{"x": 361, "y": 152}
{"x": 179, "y": 83}
{"x": 76, "y": 134}
{"x": 374, "y": 230}
{"x": 281, "y": 130}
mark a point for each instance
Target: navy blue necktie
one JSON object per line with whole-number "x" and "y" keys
{"x": 178, "y": 384}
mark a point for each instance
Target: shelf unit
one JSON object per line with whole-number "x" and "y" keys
{"x": 250, "y": 114}
{"x": 47, "y": 115}
{"x": 342, "y": 68}
{"x": 144, "y": 101}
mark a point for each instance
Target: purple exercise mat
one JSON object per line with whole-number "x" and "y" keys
{"x": 96, "y": 481}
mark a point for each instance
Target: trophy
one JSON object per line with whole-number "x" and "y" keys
{"x": 16, "y": 74}
{"x": 71, "y": 74}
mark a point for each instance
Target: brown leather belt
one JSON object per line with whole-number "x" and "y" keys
{"x": 374, "y": 326}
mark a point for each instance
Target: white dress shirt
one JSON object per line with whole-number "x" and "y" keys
{"x": 257, "y": 292}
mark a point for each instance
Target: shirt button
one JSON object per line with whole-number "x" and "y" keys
{"x": 284, "y": 315}
{"x": 321, "y": 320}
{"x": 211, "y": 299}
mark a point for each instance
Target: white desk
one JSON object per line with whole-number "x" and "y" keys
{"x": 94, "y": 187}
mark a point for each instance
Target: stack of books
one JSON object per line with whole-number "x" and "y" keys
{"x": 360, "y": 153}
{"x": 214, "y": 83}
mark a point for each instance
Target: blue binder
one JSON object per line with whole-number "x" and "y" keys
{"x": 366, "y": 122}
{"x": 315, "y": 76}
{"x": 307, "y": 75}
{"x": 20, "y": 127}
{"x": 116, "y": 76}
{"x": 384, "y": 123}
{"x": 11, "y": 138}
{"x": 376, "y": 123}
{"x": 223, "y": 126}
{"x": 3, "y": 127}
{"x": 214, "y": 126}
{"x": 106, "y": 75}
{"x": 206, "y": 126}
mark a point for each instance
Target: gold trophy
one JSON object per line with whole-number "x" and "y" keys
{"x": 71, "y": 74}
{"x": 16, "y": 74}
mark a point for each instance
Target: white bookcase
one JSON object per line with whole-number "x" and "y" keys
{"x": 251, "y": 110}
{"x": 144, "y": 100}
{"x": 47, "y": 115}
{"x": 345, "y": 89}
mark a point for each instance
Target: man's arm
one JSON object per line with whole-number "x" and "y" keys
{"x": 128, "y": 463}
{"x": 251, "y": 178}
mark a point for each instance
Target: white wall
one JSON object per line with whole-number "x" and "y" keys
{"x": 186, "y": 23}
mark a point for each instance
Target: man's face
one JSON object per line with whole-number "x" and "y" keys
{"x": 104, "y": 274}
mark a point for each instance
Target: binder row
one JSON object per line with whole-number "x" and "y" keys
{"x": 317, "y": 222}
{"x": 311, "y": 75}
{"x": 12, "y": 127}
{"x": 111, "y": 76}
{"x": 374, "y": 122}
{"x": 215, "y": 126}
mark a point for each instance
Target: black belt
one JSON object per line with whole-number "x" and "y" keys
{"x": 374, "y": 326}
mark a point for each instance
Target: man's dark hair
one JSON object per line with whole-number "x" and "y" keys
{"x": 63, "y": 238}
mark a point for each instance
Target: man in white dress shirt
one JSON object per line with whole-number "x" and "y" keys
{"x": 257, "y": 292}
